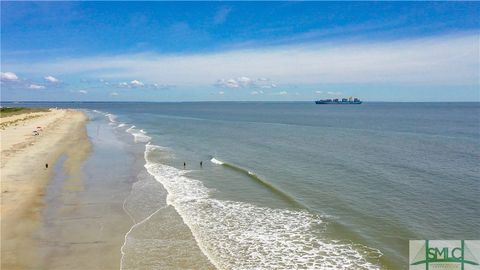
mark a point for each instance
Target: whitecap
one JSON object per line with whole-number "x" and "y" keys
{"x": 111, "y": 117}
{"x": 216, "y": 161}
{"x": 239, "y": 235}
{"x": 138, "y": 136}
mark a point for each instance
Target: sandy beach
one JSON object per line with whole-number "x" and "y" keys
{"x": 24, "y": 175}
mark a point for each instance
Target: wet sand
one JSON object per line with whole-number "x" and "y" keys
{"x": 24, "y": 176}
{"x": 83, "y": 221}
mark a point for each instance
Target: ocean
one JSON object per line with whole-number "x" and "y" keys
{"x": 265, "y": 185}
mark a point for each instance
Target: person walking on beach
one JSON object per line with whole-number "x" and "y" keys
{"x": 46, "y": 165}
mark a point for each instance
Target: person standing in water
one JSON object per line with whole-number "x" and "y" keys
{"x": 201, "y": 164}
{"x": 184, "y": 164}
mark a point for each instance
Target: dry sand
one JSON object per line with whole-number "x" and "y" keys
{"x": 24, "y": 176}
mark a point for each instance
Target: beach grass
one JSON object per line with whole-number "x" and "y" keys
{"x": 9, "y": 111}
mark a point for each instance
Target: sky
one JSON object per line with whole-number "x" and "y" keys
{"x": 240, "y": 51}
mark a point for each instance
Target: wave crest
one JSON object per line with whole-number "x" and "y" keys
{"x": 216, "y": 161}
{"x": 139, "y": 136}
{"x": 239, "y": 235}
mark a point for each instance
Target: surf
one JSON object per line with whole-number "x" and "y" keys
{"x": 254, "y": 177}
{"x": 242, "y": 235}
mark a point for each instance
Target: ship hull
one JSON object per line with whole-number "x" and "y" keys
{"x": 339, "y": 103}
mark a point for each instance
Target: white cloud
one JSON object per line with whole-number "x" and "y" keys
{"x": 227, "y": 83}
{"x": 281, "y": 93}
{"x": 113, "y": 94}
{"x": 83, "y": 91}
{"x": 221, "y": 93}
{"x": 36, "y": 86}
{"x": 318, "y": 92}
{"x": 51, "y": 79}
{"x": 132, "y": 84}
{"x": 136, "y": 83}
{"x": 245, "y": 82}
{"x": 8, "y": 76}
{"x": 264, "y": 83}
{"x": 439, "y": 60}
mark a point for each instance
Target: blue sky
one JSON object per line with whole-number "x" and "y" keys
{"x": 194, "y": 51}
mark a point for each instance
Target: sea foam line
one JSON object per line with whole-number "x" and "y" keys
{"x": 143, "y": 138}
{"x": 132, "y": 228}
{"x": 238, "y": 235}
{"x": 135, "y": 224}
{"x": 139, "y": 136}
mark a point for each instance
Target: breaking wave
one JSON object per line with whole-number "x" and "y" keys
{"x": 216, "y": 161}
{"x": 139, "y": 136}
{"x": 253, "y": 176}
{"x": 238, "y": 235}
{"x": 111, "y": 117}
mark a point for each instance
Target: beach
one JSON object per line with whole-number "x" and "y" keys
{"x": 79, "y": 213}
{"x": 24, "y": 176}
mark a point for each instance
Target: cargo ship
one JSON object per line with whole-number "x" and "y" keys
{"x": 339, "y": 101}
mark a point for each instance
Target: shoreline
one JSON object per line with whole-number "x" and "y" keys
{"x": 24, "y": 176}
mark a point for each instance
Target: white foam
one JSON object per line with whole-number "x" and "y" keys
{"x": 138, "y": 135}
{"x": 151, "y": 147}
{"x": 238, "y": 235}
{"x": 111, "y": 117}
{"x": 144, "y": 201}
{"x": 216, "y": 161}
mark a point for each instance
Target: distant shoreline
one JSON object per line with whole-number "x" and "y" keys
{"x": 222, "y": 101}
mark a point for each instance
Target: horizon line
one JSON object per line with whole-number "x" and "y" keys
{"x": 223, "y": 101}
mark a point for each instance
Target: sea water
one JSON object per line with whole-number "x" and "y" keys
{"x": 295, "y": 185}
